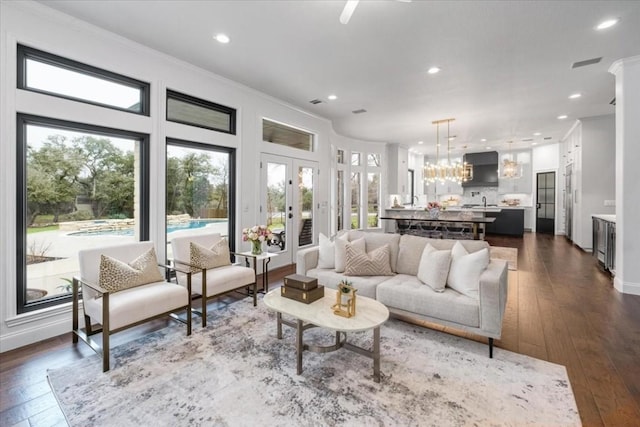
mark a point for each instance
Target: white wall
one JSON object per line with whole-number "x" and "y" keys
{"x": 35, "y": 25}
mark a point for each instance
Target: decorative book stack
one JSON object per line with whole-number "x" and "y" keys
{"x": 301, "y": 288}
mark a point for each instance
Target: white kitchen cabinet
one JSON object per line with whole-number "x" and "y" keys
{"x": 523, "y": 184}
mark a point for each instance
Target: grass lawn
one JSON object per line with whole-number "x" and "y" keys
{"x": 31, "y": 230}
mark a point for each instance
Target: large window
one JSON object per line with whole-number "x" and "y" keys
{"x": 278, "y": 133}
{"x": 79, "y": 186}
{"x": 43, "y": 72}
{"x": 362, "y": 192}
{"x": 198, "y": 112}
{"x": 200, "y": 190}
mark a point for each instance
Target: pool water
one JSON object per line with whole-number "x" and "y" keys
{"x": 196, "y": 223}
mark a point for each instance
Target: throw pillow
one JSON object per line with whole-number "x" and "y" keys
{"x": 466, "y": 268}
{"x": 361, "y": 263}
{"x": 434, "y": 267}
{"x": 116, "y": 275}
{"x": 340, "y": 250}
{"x": 327, "y": 255}
{"x": 217, "y": 256}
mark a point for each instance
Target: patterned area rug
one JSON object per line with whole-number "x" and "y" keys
{"x": 508, "y": 254}
{"x": 236, "y": 373}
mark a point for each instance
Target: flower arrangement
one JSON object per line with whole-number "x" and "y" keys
{"x": 433, "y": 205}
{"x": 256, "y": 235}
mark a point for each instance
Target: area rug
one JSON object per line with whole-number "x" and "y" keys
{"x": 236, "y": 373}
{"x": 508, "y": 254}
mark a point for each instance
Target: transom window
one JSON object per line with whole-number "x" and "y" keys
{"x": 278, "y": 133}
{"x": 198, "y": 112}
{"x": 44, "y": 72}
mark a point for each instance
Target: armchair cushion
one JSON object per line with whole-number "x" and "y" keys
{"x": 117, "y": 275}
{"x": 217, "y": 256}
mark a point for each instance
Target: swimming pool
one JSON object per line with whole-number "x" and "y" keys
{"x": 195, "y": 223}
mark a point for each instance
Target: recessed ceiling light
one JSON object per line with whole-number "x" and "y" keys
{"x": 537, "y": 134}
{"x": 562, "y": 117}
{"x": 575, "y": 95}
{"x": 433, "y": 70}
{"x": 222, "y": 38}
{"x": 488, "y": 148}
{"x": 534, "y": 143}
{"x": 483, "y": 140}
{"x": 420, "y": 142}
{"x": 607, "y": 24}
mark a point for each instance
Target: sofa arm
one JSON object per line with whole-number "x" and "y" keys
{"x": 494, "y": 284}
{"x": 307, "y": 259}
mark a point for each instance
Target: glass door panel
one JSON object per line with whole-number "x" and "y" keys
{"x": 288, "y": 205}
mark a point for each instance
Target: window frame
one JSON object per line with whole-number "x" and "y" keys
{"x": 179, "y": 96}
{"x": 232, "y": 181}
{"x": 312, "y": 136}
{"x": 26, "y": 52}
{"x": 23, "y": 120}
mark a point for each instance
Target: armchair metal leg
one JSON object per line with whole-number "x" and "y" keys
{"x": 105, "y": 332}
{"x": 204, "y": 298}
{"x": 490, "y": 348}
{"x": 255, "y": 293}
{"x": 74, "y": 322}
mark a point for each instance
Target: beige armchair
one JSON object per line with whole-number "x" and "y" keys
{"x": 210, "y": 282}
{"x": 122, "y": 287}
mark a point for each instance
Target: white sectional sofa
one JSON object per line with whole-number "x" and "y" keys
{"x": 480, "y": 311}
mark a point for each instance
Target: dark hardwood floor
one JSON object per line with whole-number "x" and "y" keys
{"x": 561, "y": 307}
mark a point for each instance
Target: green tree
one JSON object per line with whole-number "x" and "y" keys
{"x": 52, "y": 178}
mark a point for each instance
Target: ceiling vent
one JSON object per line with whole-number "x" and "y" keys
{"x": 360, "y": 111}
{"x": 315, "y": 101}
{"x": 586, "y": 62}
{"x": 613, "y": 101}
{"x": 527, "y": 140}
{"x": 547, "y": 138}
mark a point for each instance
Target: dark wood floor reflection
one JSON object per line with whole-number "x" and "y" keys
{"x": 562, "y": 308}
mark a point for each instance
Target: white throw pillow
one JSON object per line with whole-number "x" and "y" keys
{"x": 434, "y": 267}
{"x": 361, "y": 263}
{"x": 327, "y": 252}
{"x": 466, "y": 268}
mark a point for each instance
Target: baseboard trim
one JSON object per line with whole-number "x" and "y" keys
{"x": 35, "y": 334}
{"x": 626, "y": 287}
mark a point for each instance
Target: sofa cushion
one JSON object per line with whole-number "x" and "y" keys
{"x": 434, "y": 267}
{"x": 375, "y": 240}
{"x": 407, "y": 293}
{"x": 216, "y": 256}
{"x": 340, "y": 250}
{"x": 373, "y": 263}
{"x": 409, "y": 254}
{"x": 366, "y": 285}
{"x": 326, "y": 255}
{"x": 116, "y": 275}
{"x": 466, "y": 268}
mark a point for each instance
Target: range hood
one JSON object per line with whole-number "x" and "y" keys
{"x": 485, "y": 169}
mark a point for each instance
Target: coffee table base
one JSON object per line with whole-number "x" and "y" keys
{"x": 341, "y": 342}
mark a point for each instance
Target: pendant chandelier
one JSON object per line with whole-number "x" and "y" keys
{"x": 446, "y": 171}
{"x": 511, "y": 169}
{"x": 467, "y": 168}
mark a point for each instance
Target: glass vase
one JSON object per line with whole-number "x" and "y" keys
{"x": 256, "y": 247}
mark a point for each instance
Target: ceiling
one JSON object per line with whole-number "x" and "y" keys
{"x": 506, "y": 66}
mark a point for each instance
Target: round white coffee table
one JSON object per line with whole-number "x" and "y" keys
{"x": 370, "y": 314}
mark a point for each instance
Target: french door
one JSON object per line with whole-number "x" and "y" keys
{"x": 288, "y": 204}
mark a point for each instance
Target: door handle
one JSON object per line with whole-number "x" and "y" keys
{"x": 537, "y": 205}
{"x": 290, "y": 215}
